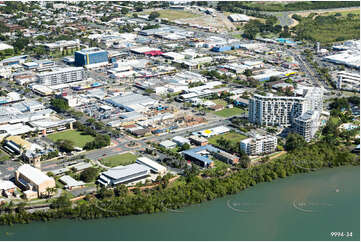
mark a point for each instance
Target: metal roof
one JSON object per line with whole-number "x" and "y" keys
{"x": 34, "y": 175}
{"x": 124, "y": 171}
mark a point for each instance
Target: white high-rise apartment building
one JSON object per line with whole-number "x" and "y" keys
{"x": 259, "y": 145}
{"x": 65, "y": 75}
{"x": 307, "y": 124}
{"x": 273, "y": 110}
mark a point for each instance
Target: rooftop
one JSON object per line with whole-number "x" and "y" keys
{"x": 33, "y": 174}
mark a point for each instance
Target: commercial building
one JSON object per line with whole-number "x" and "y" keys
{"x": 348, "y": 58}
{"x": 179, "y": 140}
{"x": 91, "y": 56}
{"x": 65, "y": 75}
{"x": 153, "y": 166}
{"x": 132, "y": 102}
{"x": 30, "y": 178}
{"x": 70, "y": 183}
{"x": 348, "y": 81}
{"x": 198, "y": 140}
{"x": 259, "y": 145}
{"x": 123, "y": 174}
{"x": 62, "y": 45}
{"x": 200, "y": 155}
{"x": 238, "y": 18}
{"x": 281, "y": 110}
{"x": 307, "y": 124}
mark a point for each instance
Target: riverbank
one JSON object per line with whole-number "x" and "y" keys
{"x": 262, "y": 212}
{"x": 193, "y": 189}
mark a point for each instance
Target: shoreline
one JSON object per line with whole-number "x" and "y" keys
{"x": 195, "y": 191}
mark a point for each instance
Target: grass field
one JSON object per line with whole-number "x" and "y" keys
{"x": 3, "y": 156}
{"x": 220, "y": 101}
{"x": 233, "y": 137}
{"x": 76, "y": 136}
{"x": 228, "y": 112}
{"x": 174, "y": 14}
{"x": 119, "y": 160}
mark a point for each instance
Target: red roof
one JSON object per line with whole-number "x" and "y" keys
{"x": 153, "y": 52}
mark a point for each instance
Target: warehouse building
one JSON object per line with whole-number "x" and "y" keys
{"x": 123, "y": 174}
{"x": 132, "y": 102}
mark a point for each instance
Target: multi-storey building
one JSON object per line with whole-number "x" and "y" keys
{"x": 307, "y": 124}
{"x": 91, "y": 56}
{"x": 259, "y": 145}
{"x": 61, "y": 76}
{"x": 348, "y": 81}
{"x": 273, "y": 110}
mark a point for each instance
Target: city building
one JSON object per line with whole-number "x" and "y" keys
{"x": 179, "y": 140}
{"x": 348, "y": 81}
{"x": 198, "y": 140}
{"x": 271, "y": 110}
{"x": 123, "y": 174}
{"x": 307, "y": 124}
{"x": 70, "y": 183}
{"x": 259, "y": 145}
{"x": 65, "y": 75}
{"x": 90, "y": 57}
{"x": 132, "y": 102}
{"x": 154, "y": 166}
{"x": 30, "y": 178}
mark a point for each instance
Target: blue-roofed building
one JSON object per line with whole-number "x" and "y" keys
{"x": 201, "y": 156}
{"x": 90, "y": 56}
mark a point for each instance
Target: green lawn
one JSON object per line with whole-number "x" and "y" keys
{"x": 174, "y": 14}
{"x": 3, "y": 156}
{"x": 119, "y": 160}
{"x": 219, "y": 101}
{"x": 233, "y": 137}
{"x": 228, "y": 112}
{"x": 76, "y": 136}
{"x": 220, "y": 164}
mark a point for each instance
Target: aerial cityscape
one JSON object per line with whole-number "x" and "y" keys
{"x": 219, "y": 120}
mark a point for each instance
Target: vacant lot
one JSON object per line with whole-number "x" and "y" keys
{"x": 174, "y": 14}
{"x": 77, "y": 137}
{"x": 229, "y": 112}
{"x": 233, "y": 137}
{"x": 119, "y": 160}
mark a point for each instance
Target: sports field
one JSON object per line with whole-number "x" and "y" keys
{"x": 119, "y": 160}
{"x": 77, "y": 137}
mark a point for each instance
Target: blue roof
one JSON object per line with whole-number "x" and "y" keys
{"x": 194, "y": 153}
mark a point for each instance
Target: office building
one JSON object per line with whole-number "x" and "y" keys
{"x": 307, "y": 124}
{"x": 259, "y": 145}
{"x": 91, "y": 56}
{"x": 61, "y": 76}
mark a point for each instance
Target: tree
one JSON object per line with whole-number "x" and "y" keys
{"x": 59, "y": 104}
{"x": 89, "y": 174}
{"x": 65, "y": 145}
{"x": 50, "y": 190}
{"x": 124, "y": 11}
{"x": 294, "y": 141}
{"x": 185, "y": 146}
{"x": 153, "y": 15}
{"x": 61, "y": 202}
{"x": 248, "y": 72}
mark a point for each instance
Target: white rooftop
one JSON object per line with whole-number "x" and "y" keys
{"x": 33, "y": 174}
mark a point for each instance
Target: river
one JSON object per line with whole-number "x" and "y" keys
{"x": 301, "y": 207}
